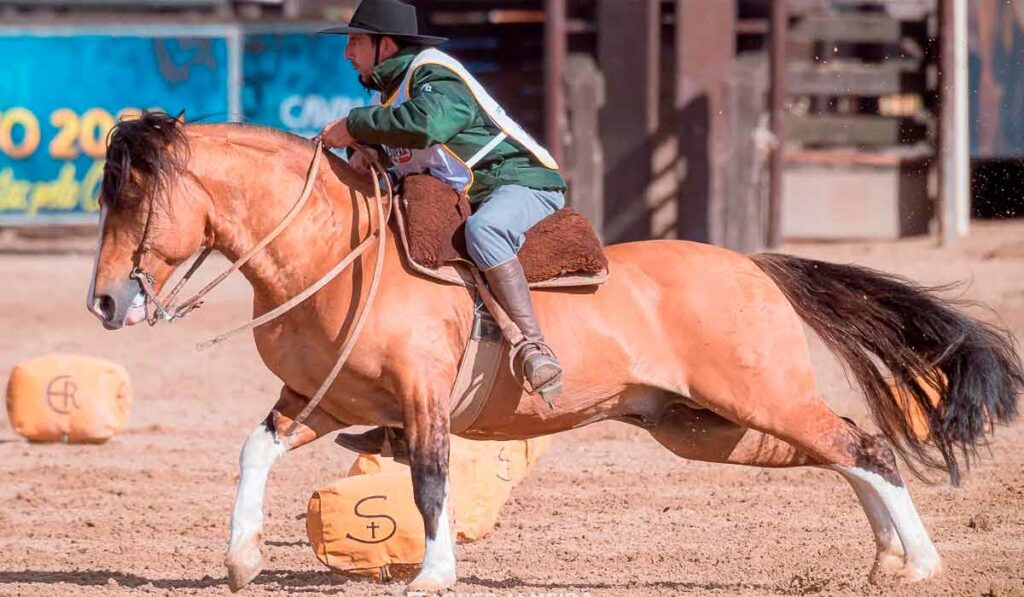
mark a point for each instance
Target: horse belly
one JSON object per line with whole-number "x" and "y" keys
{"x": 611, "y": 343}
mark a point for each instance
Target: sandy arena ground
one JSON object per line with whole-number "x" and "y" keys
{"x": 607, "y": 511}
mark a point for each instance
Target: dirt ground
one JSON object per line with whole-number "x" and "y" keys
{"x": 607, "y": 511}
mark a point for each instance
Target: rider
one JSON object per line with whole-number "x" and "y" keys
{"x": 431, "y": 115}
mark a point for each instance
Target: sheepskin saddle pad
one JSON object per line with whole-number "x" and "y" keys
{"x": 561, "y": 246}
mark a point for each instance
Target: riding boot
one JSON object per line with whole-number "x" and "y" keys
{"x": 540, "y": 366}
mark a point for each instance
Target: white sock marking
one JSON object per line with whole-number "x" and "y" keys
{"x": 439, "y": 554}
{"x": 259, "y": 453}
{"x": 920, "y": 552}
{"x": 886, "y": 538}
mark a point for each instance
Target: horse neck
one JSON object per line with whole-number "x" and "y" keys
{"x": 254, "y": 178}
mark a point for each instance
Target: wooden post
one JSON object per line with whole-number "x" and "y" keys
{"x": 705, "y": 50}
{"x": 777, "y": 102}
{"x": 962, "y": 152}
{"x": 554, "y": 66}
{"x": 628, "y": 52}
{"x": 951, "y": 148}
{"x": 747, "y": 169}
{"x": 584, "y": 158}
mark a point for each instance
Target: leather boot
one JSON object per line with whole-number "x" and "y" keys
{"x": 540, "y": 367}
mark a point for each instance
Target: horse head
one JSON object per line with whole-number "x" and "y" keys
{"x": 150, "y": 219}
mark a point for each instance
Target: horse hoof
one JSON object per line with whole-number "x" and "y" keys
{"x": 922, "y": 570}
{"x": 241, "y": 575}
{"x": 431, "y": 582}
{"x": 243, "y": 565}
{"x": 887, "y": 571}
{"x": 370, "y": 442}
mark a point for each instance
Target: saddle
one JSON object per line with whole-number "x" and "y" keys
{"x": 562, "y": 250}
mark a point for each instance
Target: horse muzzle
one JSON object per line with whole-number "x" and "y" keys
{"x": 119, "y": 305}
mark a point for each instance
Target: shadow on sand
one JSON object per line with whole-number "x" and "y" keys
{"x": 286, "y": 580}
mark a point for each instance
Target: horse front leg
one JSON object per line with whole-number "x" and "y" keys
{"x": 264, "y": 446}
{"x": 425, "y": 416}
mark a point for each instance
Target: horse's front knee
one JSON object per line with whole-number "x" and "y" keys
{"x": 262, "y": 446}
{"x": 282, "y": 420}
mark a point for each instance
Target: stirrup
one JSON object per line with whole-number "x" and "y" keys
{"x": 550, "y": 389}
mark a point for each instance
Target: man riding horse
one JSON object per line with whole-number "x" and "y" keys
{"x": 430, "y": 115}
{"x": 715, "y": 368}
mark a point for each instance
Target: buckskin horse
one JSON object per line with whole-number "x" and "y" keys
{"x": 700, "y": 346}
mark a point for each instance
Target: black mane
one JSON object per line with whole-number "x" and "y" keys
{"x": 153, "y": 146}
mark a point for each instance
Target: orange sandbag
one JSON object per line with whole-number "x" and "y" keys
{"x": 376, "y": 498}
{"x": 366, "y": 522}
{"x": 535, "y": 448}
{"x": 372, "y": 464}
{"x": 482, "y": 475}
{"x": 68, "y": 398}
{"x": 514, "y": 459}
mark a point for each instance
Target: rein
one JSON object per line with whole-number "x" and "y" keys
{"x": 166, "y": 310}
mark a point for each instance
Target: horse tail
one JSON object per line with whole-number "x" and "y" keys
{"x": 960, "y": 374}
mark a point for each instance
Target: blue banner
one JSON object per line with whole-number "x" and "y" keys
{"x": 298, "y": 81}
{"x": 60, "y": 95}
{"x": 62, "y": 89}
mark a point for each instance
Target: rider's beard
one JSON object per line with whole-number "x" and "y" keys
{"x": 366, "y": 82}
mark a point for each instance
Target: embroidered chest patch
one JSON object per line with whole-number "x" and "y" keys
{"x": 399, "y": 155}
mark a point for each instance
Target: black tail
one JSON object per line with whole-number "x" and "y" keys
{"x": 869, "y": 318}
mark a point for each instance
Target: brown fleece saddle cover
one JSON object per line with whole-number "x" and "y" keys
{"x": 561, "y": 250}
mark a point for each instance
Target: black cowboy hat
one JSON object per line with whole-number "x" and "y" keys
{"x": 386, "y": 17}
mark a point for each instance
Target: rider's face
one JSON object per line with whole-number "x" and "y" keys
{"x": 359, "y": 52}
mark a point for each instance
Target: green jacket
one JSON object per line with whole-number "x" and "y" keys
{"x": 445, "y": 112}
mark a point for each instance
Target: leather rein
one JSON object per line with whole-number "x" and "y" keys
{"x": 165, "y": 309}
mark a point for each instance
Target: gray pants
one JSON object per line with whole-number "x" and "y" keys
{"x": 495, "y": 233}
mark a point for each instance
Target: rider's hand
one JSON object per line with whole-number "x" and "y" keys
{"x": 359, "y": 163}
{"x": 335, "y": 134}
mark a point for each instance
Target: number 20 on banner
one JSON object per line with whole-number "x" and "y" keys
{"x": 76, "y": 133}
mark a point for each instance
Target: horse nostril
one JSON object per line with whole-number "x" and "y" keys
{"x": 106, "y": 306}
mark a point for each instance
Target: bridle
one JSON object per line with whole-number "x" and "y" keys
{"x": 166, "y": 310}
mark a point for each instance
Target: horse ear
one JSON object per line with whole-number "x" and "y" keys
{"x": 180, "y": 119}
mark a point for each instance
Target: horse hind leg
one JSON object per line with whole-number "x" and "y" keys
{"x": 894, "y": 519}
{"x": 699, "y": 434}
{"x": 890, "y": 556}
{"x": 866, "y": 462}
{"x": 263, "y": 447}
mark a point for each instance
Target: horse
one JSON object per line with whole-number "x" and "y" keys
{"x": 702, "y": 347}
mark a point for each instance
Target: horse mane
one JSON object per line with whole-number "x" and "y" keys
{"x": 155, "y": 146}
